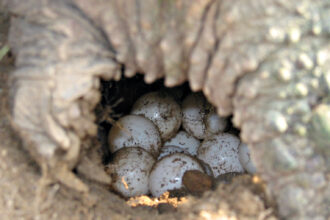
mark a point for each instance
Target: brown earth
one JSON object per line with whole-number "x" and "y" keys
{"x": 26, "y": 194}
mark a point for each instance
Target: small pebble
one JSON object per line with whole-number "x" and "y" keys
{"x": 197, "y": 182}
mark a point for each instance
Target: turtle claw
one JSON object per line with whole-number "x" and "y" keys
{"x": 65, "y": 176}
{"x": 92, "y": 171}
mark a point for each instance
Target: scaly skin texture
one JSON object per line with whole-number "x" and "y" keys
{"x": 267, "y": 62}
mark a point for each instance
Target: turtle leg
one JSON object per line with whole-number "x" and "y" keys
{"x": 271, "y": 70}
{"x": 276, "y": 115}
{"x": 60, "y": 56}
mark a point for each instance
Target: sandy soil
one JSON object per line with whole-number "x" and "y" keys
{"x": 25, "y": 193}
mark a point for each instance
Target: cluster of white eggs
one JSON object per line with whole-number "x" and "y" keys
{"x": 151, "y": 153}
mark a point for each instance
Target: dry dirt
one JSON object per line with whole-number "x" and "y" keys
{"x": 25, "y": 193}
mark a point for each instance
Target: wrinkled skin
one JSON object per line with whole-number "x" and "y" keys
{"x": 267, "y": 62}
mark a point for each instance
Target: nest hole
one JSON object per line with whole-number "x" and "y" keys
{"x": 117, "y": 100}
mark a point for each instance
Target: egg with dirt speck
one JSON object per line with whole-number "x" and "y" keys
{"x": 185, "y": 141}
{"x": 162, "y": 110}
{"x": 199, "y": 117}
{"x": 135, "y": 131}
{"x": 221, "y": 153}
{"x": 167, "y": 173}
{"x": 130, "y": 170}
{"x": 170, "y": 149}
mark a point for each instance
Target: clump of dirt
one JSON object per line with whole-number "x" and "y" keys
{"x": 243, "y": 198}
{"x": 25, "y": 193}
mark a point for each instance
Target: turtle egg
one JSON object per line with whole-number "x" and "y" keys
{"x": 185, "y": 141}
{"x": 221, "y": 153}
{"x": 167, "y": 173}
{"x": 130, "y": 170}
{"x": 245, "y": 159}
{"x": 199, "y": 117}
{"x": 170, "y": 149}
{"x": 135, "y": 131}
{"x": 162, "y": 110}
{"x": 215, "y": 123}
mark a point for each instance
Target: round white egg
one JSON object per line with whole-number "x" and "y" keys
{"x": 135, "y": 131}
{"x": 170, "y": 149}
{"x": 199, "y": 117}
{"x": 162, "y": 110}
{"x": 214, "y": 123}
{"x": 185, "y": 141}
{"x": 130, "y": 170}
{"x": 221, "y": 153}
{"x": 168, "y": 172}
{"x": 245, "y": 159}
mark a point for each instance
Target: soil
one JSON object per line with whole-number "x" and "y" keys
{"x": 25, "y": 193}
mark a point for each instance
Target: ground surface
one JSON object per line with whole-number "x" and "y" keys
{"x": 25, "y": 194}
